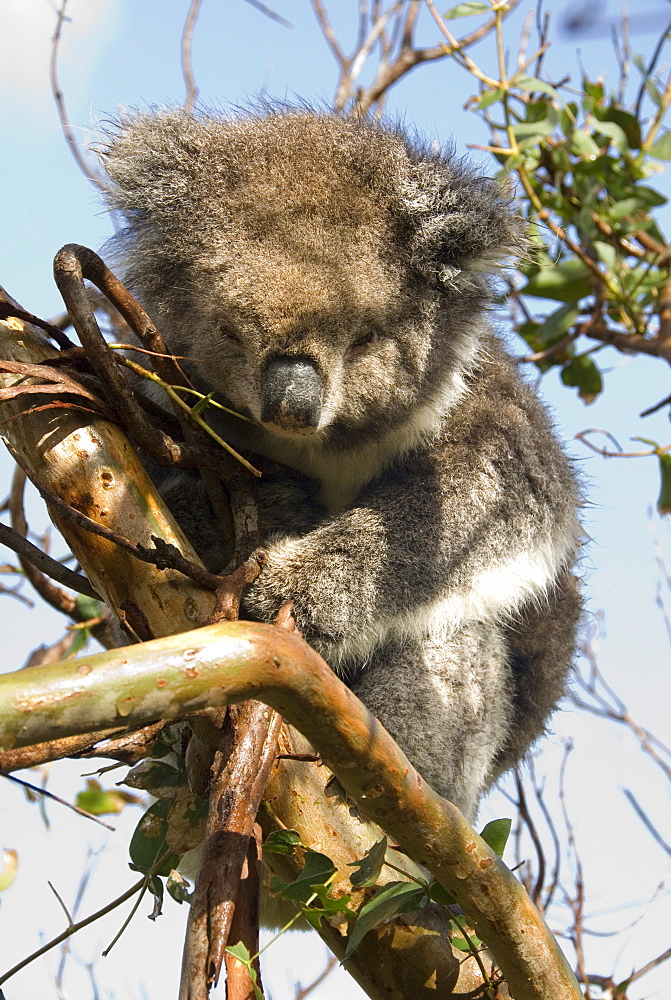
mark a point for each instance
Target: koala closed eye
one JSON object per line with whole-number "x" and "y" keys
{"x": 361, "y": 344}
{"x": 420, "y": 512}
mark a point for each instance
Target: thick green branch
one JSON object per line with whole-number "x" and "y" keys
{"x": 233, "y": 661}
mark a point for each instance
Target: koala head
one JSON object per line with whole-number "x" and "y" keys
{"x": 324, "y": 275}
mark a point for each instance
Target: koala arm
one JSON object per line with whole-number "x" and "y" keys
{"x": 458, "y": 533}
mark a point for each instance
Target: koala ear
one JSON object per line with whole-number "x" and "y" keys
{"x": 460, "y": 221}
{"x": 151, "y": 160}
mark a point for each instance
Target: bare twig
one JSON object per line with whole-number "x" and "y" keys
{"x": 187, "y": 66}
{"x": 45, "y": 793}
{"x": 51, "y": 567}
{"x": 59, "y": 599}
{"x": 536, "y": 891}
{"x": 8, "y": 309}
{"x": 302, "y": 992}
{"x": 59, "y": 100}
{"x": 163, "y": 556}
{"x": 269, "y": 12}
{"x": 647, "y": 822}
{"x": 74, "y": 927}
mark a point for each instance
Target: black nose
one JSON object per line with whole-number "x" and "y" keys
{"x": 292, "y": 394}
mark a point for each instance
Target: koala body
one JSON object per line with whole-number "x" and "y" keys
{"x": 330, "y": 279}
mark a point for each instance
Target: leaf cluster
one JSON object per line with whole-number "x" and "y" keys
{"x": 583, "y": 160}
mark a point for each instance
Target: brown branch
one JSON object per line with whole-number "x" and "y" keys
{"x": 527, "y": 818}
{"x": 239, "y": 778}
{"x": 631, "y": 343}
{"x": 40, "y": 560}
{"x": 245, "y": 924}
{"x": 71, "y": 265}
{"x": 59, "y": 100}
{"x": 234, "y": 661}
{"x": 664, "y": 310}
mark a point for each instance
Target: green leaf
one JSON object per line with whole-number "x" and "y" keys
{"x": 489, "y": 97}
{"x": 88, "y": 607}
{"x": 162, "y": 777}
{"x": 98, "y": 800}
{"x": 606, "y": 253}
{"x": 202, "y": 404}
{"x": 440, "y": 895}
{"x": 593, "y": 90}
{"x": 661, "y": 149}
{"x": 627, "y": 206}
{"x": 557, "y": 324}
{"x": 613, "y": 132}
{"x": 466, "y": 10}
{"x": 581, "y": 373}
{"x": 242, "y": 954}
{"x": 461, "y": 940}
{"x": 318, "y": 868}
{"x": 533, "y": 130}
{"x": 629, "y": 123}
{"x": 281, "y": 842}
{"x": 328, "y": 907}
{"x": 583, "y": 144}
{"x": 370, "y": 865}
{"x": 650, "y": 196}
{"x": 533, "y": 84}
{"x": 149, "y": 841}
{"x": 496, "y": 834}
{"x": 664, "y": 499}
{"x": 387, "y": 903}
{"x": 565, "y": 281}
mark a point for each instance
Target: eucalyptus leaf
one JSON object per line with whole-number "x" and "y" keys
{"x": 387, "y": 903}
{"x": 149, "y": 841}
{"x": 661, "y": 148}
{"x": 496, "y": 834}
{"x": 581, "y": 373}
{"x": 281, "y": 842}
{"x": 370, "y": 865}
{"x": 466, "y": 9}
{"x": 533, "y": 84}
{"x": 317, "y": 870}
{"x": 565, "y": 281}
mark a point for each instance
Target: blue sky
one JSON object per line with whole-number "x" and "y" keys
{"x": 125, "y": 53}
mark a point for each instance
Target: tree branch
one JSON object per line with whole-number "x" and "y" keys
{"x": 234, "y": 661}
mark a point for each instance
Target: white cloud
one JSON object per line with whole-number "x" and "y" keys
{"x": 27, "y": 28}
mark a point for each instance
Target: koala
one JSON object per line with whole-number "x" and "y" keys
{"x": 330, "y": 279}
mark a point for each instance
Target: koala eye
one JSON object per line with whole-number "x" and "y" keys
{"x": 230, "y": 337}
{"x": 361, "y": 344}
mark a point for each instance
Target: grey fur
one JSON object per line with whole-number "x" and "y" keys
{"x": 426, "y": 527}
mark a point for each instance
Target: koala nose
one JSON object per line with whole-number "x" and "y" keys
{"x": 291, "y": 394}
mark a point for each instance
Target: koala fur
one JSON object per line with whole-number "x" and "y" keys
{"x": 330, "y": 279}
